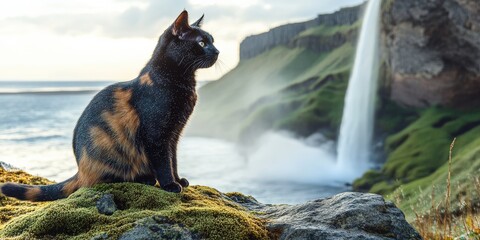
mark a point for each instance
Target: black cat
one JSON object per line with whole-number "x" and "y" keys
{"x": 130, "y": 130}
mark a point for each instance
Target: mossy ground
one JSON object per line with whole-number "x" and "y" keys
{"x": 10, "y": 207}
{"x": 201, "y": 209}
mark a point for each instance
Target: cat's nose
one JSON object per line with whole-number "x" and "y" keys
{"x": 215, "y": 51}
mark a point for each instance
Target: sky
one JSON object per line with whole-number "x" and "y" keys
{"x": 113, "y": 39}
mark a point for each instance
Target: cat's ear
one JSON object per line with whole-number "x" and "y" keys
{"x": 199, "y": 22}
{"x": 180, "y": 26}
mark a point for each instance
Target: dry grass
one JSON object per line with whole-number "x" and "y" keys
{"x": 442, "y": 223}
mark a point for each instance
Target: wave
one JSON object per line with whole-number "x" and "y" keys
{"x": 32, "y": 137}
{"x": 49, "y": 91}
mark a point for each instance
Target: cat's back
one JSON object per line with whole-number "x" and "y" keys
{"x": 105, "y": 100}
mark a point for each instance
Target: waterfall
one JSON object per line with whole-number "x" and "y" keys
{"x": 354, "y": 144}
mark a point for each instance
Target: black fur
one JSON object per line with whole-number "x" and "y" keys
{"x": 162, "y": 98}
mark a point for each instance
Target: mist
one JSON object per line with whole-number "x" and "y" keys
{"x": 278, "y": 156}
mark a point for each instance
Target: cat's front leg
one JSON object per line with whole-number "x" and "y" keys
{"x": 173, "y": 150}
{"x": 160, "y": 158}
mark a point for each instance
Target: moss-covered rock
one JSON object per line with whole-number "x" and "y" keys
{"x": 147, "y": 212}
{"x": 202, "y": 210}
{"x": 10, "y": 207}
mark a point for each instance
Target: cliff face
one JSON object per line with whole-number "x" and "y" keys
{"x": 433, "y": 52}
{"x": 286, "y": 35}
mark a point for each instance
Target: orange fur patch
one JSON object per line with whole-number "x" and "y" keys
{"x": 105, "y": 142}
{"x": 89, "y": 173}
{"x": 70, "y": 187}
{"x": 146, "y": 80}
{"x": 32, "y": 193}
{"x": 124, "y": 122}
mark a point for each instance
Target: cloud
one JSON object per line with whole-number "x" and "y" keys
{"x": 111, "y": 39}
{"x": 307, "y": 9}
{"x": 151, "y": 19}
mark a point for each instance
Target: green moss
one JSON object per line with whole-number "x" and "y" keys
{"x": 421, "y": 148}
{"x": 368, "y": 179}
{"x": 201, "y": 209}
{"x": 392, "y": 118}
{"x": 10, "y": 207}
{"x": 384, "y": 187}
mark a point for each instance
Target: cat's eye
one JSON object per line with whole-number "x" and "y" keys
{"x": 201, "y": 43}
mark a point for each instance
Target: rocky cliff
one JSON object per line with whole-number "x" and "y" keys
{"x": 287, "y": 35}
{"x": 433, "y": 49}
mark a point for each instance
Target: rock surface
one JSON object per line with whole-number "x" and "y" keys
{"x": 158, "y": 227}
{"x": 106, "y": 205}
{"x": 433, "y": 51}
{"x": 343, "y": 216}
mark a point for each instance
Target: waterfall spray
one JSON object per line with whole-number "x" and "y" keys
{"x": 358, "y": 113}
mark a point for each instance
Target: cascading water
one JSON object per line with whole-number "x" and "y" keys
{"x": 353, "y": 152}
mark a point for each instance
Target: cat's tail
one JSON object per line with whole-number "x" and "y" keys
{"x": 39, "y": 193}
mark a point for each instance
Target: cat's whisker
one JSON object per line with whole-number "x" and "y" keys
{"x": 180, "y": 64}
{"x": 202, "y": 62}
{"x": 190, "y": 66}
{"x": 220, "y": 65}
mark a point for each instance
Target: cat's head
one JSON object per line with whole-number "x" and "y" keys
{"x": 188, "y": 45}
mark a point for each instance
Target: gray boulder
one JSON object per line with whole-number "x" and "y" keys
{"x": 158, "y": 227}
{"x": 343, "y": 216}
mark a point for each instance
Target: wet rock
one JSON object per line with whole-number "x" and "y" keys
{"x": 106, "y": 205}
{"x": 158, "y": 227}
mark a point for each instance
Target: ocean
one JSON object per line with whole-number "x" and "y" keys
{"x": 36, "y": 129}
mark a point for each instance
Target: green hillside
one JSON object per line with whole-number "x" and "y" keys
{"x": 284, "y": 88}
{"x": 417, "y": 161}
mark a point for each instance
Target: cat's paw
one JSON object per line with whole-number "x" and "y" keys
{"x": 172, "y": 187}
{"x": 184, "y": 182}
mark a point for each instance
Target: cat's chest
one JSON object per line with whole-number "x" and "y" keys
{"x": 170, "y": 106}
{"x": 183, "y": 102}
